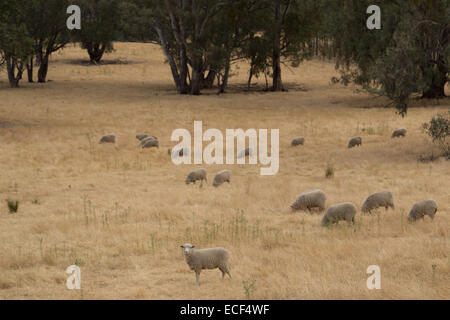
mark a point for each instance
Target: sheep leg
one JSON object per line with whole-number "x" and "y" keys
{"x": 197, "y": 277}
{"x": 433, "y": 214}
{"x": 225, "y": 270}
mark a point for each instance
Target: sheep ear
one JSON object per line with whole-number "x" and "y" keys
{"x": 181, "y": 247}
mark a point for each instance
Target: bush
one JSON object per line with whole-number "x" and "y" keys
{"x": 439, "y": 130}
{"x": 13, "y": 206}
{"x": 329, "y": 171}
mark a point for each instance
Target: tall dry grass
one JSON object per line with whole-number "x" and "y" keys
{"x": 121, "y": 213}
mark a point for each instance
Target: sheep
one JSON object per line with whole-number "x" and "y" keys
{"x": 199, "y": 174}
{"x": 310, "y": 199}
{"x": 342, "y": 211}
{"x": 141, "y": 137}
{"x": 150, "y": 142}
{"x": 421, "y": 209}
{"x": 355, "y": 141}
{"x": 148, "y": 138}
{"x": 297, "y": 141}
{"x": 221, "y": 177}
{"x": 108, "y": 139}
{"x": 245, "y": 152}
{"x": 212, "y": 258}
{"x": 376, "y": 200}
{"x": 401, "y": 132}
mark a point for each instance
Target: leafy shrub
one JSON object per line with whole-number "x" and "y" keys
{"x": 439, "y": 130}
{"x": 13, "y": 206}
{"x": 329, "y": 171}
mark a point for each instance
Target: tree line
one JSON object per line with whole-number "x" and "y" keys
{"x": 202, "y": 39}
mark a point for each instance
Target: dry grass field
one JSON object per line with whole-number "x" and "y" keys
{"x": 121, "y": 213}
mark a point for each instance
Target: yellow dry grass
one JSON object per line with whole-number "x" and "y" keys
{"x": 122, "y": 213}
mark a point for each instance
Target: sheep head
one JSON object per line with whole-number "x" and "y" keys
{"x": 187, "y": 248}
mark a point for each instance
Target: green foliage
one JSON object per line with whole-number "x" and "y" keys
{"x": 100, "y": 21}
{"x": 46, "y": 23}
{"x": 136, "y": 19}
{"x": 15, "y": 42}
{"x": 409, "y": 55}
{"x": 249, "y": 288}
{"x": 13, "y": 205}
{"x": 439, "y": 130}
{"x": 202, "y": 39}
{"x": 206, "y": 37}
{"x": 329, "y": 171}
{"x": 280, "y": 33}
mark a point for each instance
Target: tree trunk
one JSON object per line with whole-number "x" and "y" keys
{"x": 437, "y": 87}
{"x": 436, "y": 91}
{"x": 196, "y": 81}
{"x": 226, "y": 75}
{"x": 267, "y": 82}
{"x": 277, "y": 84}
{"x": 209, "y": 80}
{"x": 38, "y": 60}
{"x": 170, "y": 59}
{"x": 43, "y": 69}
{"x": 11, "y": 65}
{"x": 178, "y": 30}
{"x": 96, "y": 52}
{"x": 184, "y": 86}
{"x": 437, "y": 58}
{"x": 250, "y": 76}
{"x": 30, "y": 69}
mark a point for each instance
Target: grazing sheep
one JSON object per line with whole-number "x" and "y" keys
{"x": 421, "y": 209}
{"x": 148, "y": 138}
{"x": 297, "y": 141}
{"x": 150, "y": 142}
{"x": 376, "y": 200}
{"x": 310, "y": 199}
{"x": 401, "y": 132}
{"x": 141, "y": 137}
{"x": 221, "y": 177}
{"x": 355, "y": 141}
{"x": 108, "y": 139}
{"x": 342, "y": 211}
{"x": 199, "y": 174}
{"x": 212, "y": 258}
{"x": 246, "y": 152}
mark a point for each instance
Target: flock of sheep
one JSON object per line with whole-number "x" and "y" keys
{"x": 212, "y": 258}
{"x": 347, "y": 210}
